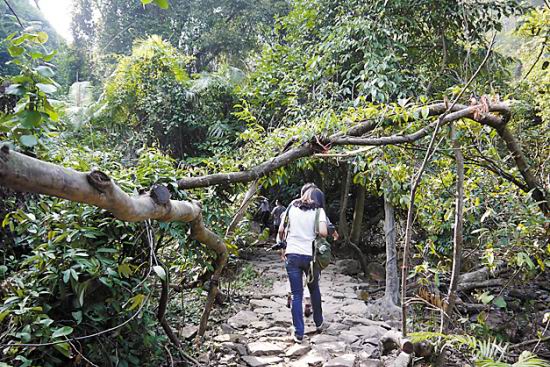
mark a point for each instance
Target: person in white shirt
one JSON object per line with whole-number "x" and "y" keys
{"x": 300, "y": 234}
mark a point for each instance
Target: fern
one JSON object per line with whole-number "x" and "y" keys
{"x": 489, "y": 353}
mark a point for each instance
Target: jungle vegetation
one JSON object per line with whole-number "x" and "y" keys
{"x": 129, "y": 158}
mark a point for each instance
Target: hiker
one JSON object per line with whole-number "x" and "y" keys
{"x": 300, "y": 234}
{"x": 319, "y": 198}
{"x": 264, "y": 214}
{"x": 276, "y": 215}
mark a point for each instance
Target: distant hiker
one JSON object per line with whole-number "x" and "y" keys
{"x": 300, "y": 235}
{"x": 276, "y": 215}
{"x": 264, "y": 214}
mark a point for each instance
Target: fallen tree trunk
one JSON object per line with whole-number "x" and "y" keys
{"x": 23, "y": 173}
{"x": 464, "y": 287}
{"x": 393, "y": 339}
{"x": 482, "y": 274}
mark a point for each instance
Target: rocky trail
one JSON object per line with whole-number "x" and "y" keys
{"x": 260, "y": 333}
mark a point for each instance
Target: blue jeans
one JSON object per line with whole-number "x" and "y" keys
{"x": 296, "y": 267}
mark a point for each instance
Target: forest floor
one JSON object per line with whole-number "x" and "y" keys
{"x": 256, "y": 329}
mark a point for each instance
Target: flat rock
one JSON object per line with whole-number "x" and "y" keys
{"x": 371, "y": 363}
{"x": 297, "y": 350}
{"x": 355, "y": 308}
{"x": 264, "y": 349}
{"x": 188, "y": 332}
{"x": 241, "y": 349}
{"x": 348, "y": 337}
{"x": 242, "y": 319}
{"x": 263, "y": 303}
{"x": 367, "y": 332}
{"x": 332, "y": 347}
{"x": 282, "y": 318}
{"x": 313, "y": 358}
{"x": 348, "y": 266}
{"x": 227, "y": 338}
{"x": 260, "y": 325}
{"x": 266, "y": 310}
{"x": 323, "y": 338}
{"x": 346, "y": 360}
{"x": 253, "y": 361}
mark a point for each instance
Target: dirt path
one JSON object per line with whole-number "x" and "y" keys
{"x": 260, "y": 334}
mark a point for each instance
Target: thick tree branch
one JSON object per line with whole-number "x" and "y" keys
{"x": 22, "y": 173}
{"x": 307, "y": 149}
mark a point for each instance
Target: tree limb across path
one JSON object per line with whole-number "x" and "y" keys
{"x": 353, "y": 137}
{"x": 23, "y": 173}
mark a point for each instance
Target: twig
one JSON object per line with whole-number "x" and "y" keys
{"x": 350, "y": 153}
{"x": 537, "y": 59}
{"x": 189, "y": 358}
{"x": 80, "y": 354}
{"x": 416, "y": 181}
{"x": 529, "y": 342}
{"x": 14, "y": 13}
{"x": 169, "y": 355}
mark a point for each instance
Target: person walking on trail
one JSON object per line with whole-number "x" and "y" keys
{"x": 276, "y": 215}
{"x": 264, "y": 214}
{"x": 300, "y": 234}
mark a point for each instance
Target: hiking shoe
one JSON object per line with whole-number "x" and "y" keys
{"x": 298, "y": 339}
{"x": 324, "y": 325}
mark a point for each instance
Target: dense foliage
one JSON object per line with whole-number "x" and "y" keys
{"x": 152, "y": 91}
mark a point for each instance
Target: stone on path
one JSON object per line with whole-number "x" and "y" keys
{"x": 367, "y": 332}
{"x": 263, "y": 303}
{"x": 297, "y": 350}
{"x": 242, "y": 319}
{"x": 371, "y": 363}
{"x": 313, "y": 358}
{"x": 332, "y": 347}
{"x": 188, "y": 332}
{"x": 253, "y": 361}
{"x": 263, "y": 349}
{"x": 355, "y": 308}
{"x": 346, "y": 360}
{"x": 348, "y": 266}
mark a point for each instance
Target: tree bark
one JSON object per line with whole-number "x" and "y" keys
{"x": 22, "y": 173}
{"x": 393, "y": 339}
{"x": 342, "y": 220}
{"x": 355, "y": 234}
{"x": 523, "y": 166}
{"x": 459, "y": 221}
{"x": 392, "y": 273}
{"x": 252, "y": 189}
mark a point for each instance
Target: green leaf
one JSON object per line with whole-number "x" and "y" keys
{"x": 145, "y": 2}
{"x": 31, "y": 119}
{"x": 63, "y": 331}
{"x": 46, "y": 88}
{"x": 45, "y": 71}
{"x": 160, "y": 272}
{"x": 15, "y": 89}
{"x": 77, "y": 316}
{"x": 42, "y": 37}
{"x": 15, "y": 51}
{"x": 499, "y": 302}
{"x": 64, "y": 349}
{"x": 486, "y": 297}
{"x": 28, "y": 140}
{"x": 136, "y": 301}
{"x": 66, "y": 276}
{"x": 163, "y": 4}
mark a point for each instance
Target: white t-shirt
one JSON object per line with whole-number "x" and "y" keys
{"x": 301, "y": 229}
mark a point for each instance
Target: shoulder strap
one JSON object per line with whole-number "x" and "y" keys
{"x": 286, "y": 223}
{"x": 316, "y": 225}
